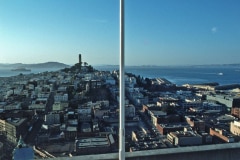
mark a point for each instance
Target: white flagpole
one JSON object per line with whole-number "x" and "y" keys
{"x": 122, "y": 87}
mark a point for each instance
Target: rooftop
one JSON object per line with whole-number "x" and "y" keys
{"x": 16, "y": 121}
{"x": 92, "y": 142}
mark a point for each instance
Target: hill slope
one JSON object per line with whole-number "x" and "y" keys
{"x": 37, "y": 65}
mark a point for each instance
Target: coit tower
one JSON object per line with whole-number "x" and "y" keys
{"x": 80, "y": 59}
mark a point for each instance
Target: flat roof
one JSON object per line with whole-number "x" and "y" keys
{"x": 71, "y": 128}
{"x": 92, "y": 142}
{"x": 23, "y": 154}
{"x": 173, "y": 125}
{"x": 184, "y": 134}
{"x": 16, "y": 122}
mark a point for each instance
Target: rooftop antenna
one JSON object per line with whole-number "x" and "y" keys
{"x": 122, "y": 87}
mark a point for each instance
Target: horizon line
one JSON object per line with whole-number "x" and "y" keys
{"x": 143, "y": 65}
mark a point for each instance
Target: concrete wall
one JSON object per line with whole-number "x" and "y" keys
{"x": 229, "y": 151}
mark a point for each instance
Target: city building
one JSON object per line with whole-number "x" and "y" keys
{"x": 206, "y": 138}
{"x": 14, "y": 106}
{"x": 235, "y": 128}
{"x": 221, "y": 134}
{"x": 130, "y": 111}
{"x": 59, "y": 106}
{"x": 13, "y": 128}
{"x": 94, "y": 145}
{"x": 166, "y": 128}
{"x": 52, "y": 118}
{"x": 2, "y": 154}
{"x": 195, "y": 123}
{"x": 228, "y": 100}
{"x": 61, "y": 97}
{"x": 180, "y": 138}
{"x": 235, "y": 111}
{"x": 85, "y": 114}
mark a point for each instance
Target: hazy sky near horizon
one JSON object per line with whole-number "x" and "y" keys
{"x": 157, "y": 32}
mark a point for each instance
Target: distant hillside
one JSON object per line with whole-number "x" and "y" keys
{"x": 48, "y": 65}
{"x": 37, "y": 65}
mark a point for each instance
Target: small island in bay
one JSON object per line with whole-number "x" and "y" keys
{"x": 22, "y": 69}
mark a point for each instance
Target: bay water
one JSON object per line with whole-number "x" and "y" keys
{"x": 186, "y": 74}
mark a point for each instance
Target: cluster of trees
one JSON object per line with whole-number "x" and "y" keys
{"x": 78, "y": 67}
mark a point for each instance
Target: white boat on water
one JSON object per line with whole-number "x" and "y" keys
{"x": 220, "y": 73}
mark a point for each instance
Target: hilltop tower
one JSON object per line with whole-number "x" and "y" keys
{"x": 80, "y": 59}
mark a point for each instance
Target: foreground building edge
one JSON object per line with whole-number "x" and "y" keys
{"x": 229, "y": 151}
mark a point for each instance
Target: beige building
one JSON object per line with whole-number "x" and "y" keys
{"x": 235, "y": 128}
{"x": 13, "y": 128}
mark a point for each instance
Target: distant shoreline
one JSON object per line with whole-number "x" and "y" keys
{"x": 21, "y": 70}
{"x": 37, "y": 65}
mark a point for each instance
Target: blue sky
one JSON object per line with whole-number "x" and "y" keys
{"x": 158, "y": 32}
